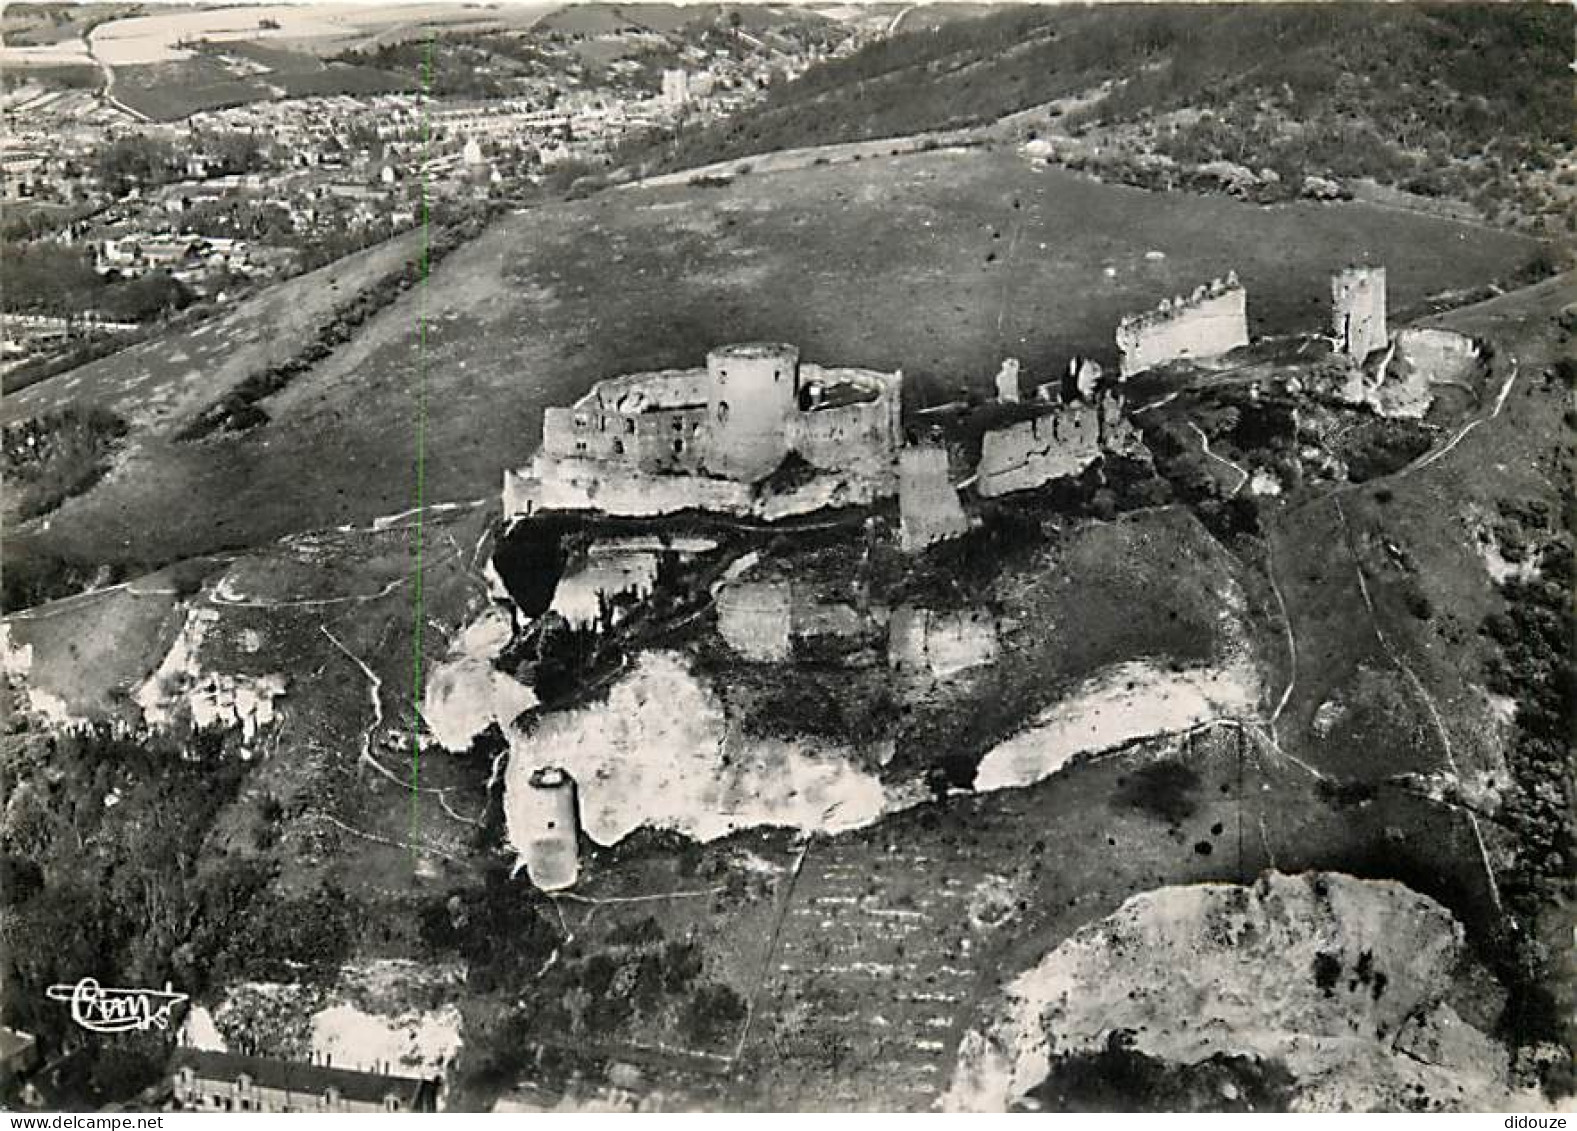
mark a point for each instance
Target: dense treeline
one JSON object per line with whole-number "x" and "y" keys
{"x": 49, "y": 458}
{"x": 110, "y": 868}
{"x": 59, "y": 281}
{"x": 1534, "y": 665}
{"x": 1485, "y": 84}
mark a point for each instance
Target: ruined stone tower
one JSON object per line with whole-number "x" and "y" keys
{"x": 928, "y": 506}
{"x": 753, "y": 396}
{"x": 1358, "y": 311}
{"x": 550, "y": 812}
{"x": 1007, "y": 381}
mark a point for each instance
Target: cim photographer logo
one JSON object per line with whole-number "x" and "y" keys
{"x": 110, "y": 1009}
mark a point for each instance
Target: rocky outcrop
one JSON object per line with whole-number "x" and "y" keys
{"x": 661, "y": 752}
{"x": 1340, "y": 980}
{"x": 223, "y": 700}
{"x": 465, "y": 694}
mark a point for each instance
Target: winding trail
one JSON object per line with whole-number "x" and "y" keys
{"x": 1204, "y": 446}
{"x": 107, "y": 91}
{"x": 321, "y": 815}
{"x": 375, "y": 694}
{"x": 220, "y": 597}
{"x": 654, "y": 897}
{"x": 1286, "y": 628}
{"x": 1424, "y": 696}
{"x": 771, "y": 949}
{"x": 1436, "y": 454}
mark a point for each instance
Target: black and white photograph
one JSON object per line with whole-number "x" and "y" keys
{"x": 849, "y": 557}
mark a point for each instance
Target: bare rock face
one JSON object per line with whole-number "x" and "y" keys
{"x": 1337, "y": 979}
{"x": 466, "y": 694}
{"x": 661, "y": 752}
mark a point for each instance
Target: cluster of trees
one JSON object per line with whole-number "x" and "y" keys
{"x": 144, "y": 161}
{"x": 1533, "y": 664}
{"x": 48, "y": 459}
{"x": 503, "y": 929}
{"x": 446, "y": 67}
{"x": 57, "y": 280}
{"x": 136, "y": 161}
{"x": 119, "y": 893}
{"x": 1121, "y": 1078}
{"x": 32, "y": 577}
{"x": 109, "y": 868}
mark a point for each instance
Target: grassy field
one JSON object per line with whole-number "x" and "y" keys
{"x": 1419, "y": 533}
{"x": 1449, "y": 94}
{"x": 168, "y": 92}
{"x": 1407, "y": 544}
{"x": 939, "y": 263}
{"x": 157, "y": 386}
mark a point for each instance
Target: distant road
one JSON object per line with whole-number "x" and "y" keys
{"x": 892, "y": 28}
{"x": 107, "y": 91}
{"x": 784, "y": 160}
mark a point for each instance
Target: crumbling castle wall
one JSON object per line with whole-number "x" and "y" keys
{"x": 1033, "y": 452}
{"x": 1207, "y": 323}
{"x": 761, "y": 620}
{"x": 859, "y": 433}
{"x": 571, "y": 484}
{"x": 1060, "y": 443}
{"x": 928, "y": 506}
{"x": 940, "y": 643}
{"x": 618, "y": 418}
{"x": 1358, "y": 311}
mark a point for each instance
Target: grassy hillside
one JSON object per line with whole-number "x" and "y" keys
{"x": 1463, "y": 100}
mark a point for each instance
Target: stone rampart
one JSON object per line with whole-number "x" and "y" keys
{"x": 1207, "y": 323}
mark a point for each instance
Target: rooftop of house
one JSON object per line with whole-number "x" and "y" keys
{"x": 307, "y": 1079}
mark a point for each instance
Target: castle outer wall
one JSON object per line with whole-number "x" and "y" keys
{"x": 1058, "y": 444}
{"x": 928, "y": 506}
{"x": 1213, "y": 321}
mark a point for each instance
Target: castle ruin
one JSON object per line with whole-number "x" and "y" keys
{"x": 762, "y": 622}
{"x": 1358, "y": 311}
{"x": 1007, "y": 381}
{"x": 941, "y": 643}
{"x": 1210, "y": 322}
{"x": 928, "y": 506}
{"x": 549, "y": 816}
{"x": 1055, "y": 444}
{"x": 659, "y": 442}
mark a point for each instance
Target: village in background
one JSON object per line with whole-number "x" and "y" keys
{"x": 159, "y": 162}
